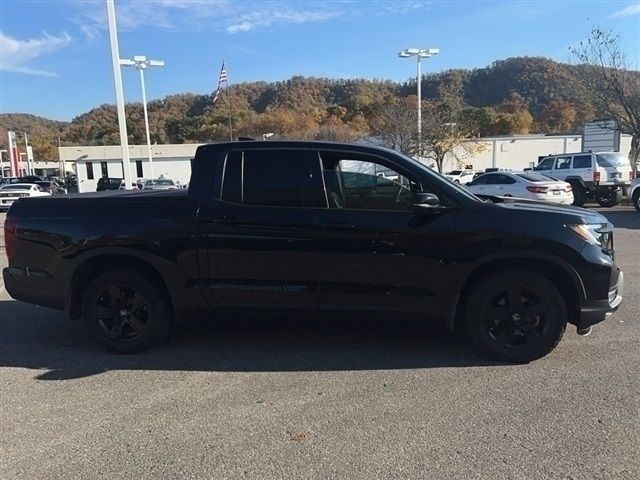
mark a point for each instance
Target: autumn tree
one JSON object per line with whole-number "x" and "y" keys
{"x": 607, "y": 77}
{"x": 443, "y": 135}
{"x": 559, "y": 116}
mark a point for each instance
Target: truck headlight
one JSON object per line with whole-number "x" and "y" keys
{"x": 596, "y": 233}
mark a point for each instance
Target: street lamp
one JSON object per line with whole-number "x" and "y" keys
{"x": 141, "y": 63}
{"x": 267, "y": 135}
{"x": 419, "y": 53}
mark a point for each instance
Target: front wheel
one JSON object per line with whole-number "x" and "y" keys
{"x": 636, "y": 199}
{"x": 516, "y": 316}
{"x": 579, "y": 195}
{"x": 125, "y": 312}
{"x": 608, "y": 197}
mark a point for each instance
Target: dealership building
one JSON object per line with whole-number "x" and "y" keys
{"x": 174, "y": 161}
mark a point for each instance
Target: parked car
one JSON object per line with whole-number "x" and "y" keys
{"x": 460, "y": 176}
{"x": 8, "y": 180}
{"x": 597, "y": 175}
{"x": 529, "y": 185}
{"x": 51, "y": 187}
{"x": 14, "y": 191}
{"x": 308, "y": 228}
{"x": 634, "y": 193}
{"x": 30, "y": 179}
{"x": 107, "y": 183}
{"x": 159, "y": 184}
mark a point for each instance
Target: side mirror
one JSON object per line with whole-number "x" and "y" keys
{"x": 424, "y": 202}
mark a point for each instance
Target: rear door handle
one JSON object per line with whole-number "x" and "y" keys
{"x": 338, "y": 226}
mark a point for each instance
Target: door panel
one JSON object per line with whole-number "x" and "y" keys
{"x": 258, "y": 256}
{"x": 261, "y": 234}
{"x": 383, "y": 260}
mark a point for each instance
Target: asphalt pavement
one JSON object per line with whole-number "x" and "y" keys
{"x": 299, "y": 399}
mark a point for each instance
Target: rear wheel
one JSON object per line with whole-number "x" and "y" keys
{"x": 125, "y": 312}
{"x": 608, "y": 197}
{"x": 516, "y": 316}
{"x": 579, "y": 195}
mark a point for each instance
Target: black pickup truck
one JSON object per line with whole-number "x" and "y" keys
{"x": 314, "y": 228}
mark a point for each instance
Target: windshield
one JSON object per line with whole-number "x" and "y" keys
{"x": 455, "y": 172}
{"x": 613, "y": 159}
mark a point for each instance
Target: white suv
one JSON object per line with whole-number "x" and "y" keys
{"x": 598, "y": 175}
{"x": 461, "y": 176}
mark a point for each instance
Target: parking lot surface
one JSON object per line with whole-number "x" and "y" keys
{"x": 301, "y": 399}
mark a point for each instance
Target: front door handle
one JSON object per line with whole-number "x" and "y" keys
{"x": 338, "y": 226}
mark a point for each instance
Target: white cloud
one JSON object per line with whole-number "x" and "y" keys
{"x": 229, "y": 16}
{"x": 16, "y": 55}
{"x": 627, "y": 12}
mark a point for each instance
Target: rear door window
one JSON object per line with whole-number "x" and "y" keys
{"x": 276, "y": 178}
{"x": 582, "y": 161}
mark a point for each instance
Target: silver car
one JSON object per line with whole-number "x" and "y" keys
{"x": 159, "y": 184}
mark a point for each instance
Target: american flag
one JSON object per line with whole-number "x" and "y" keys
{"x": 222, "y": 82}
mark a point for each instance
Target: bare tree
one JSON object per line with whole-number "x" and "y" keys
{"x": 608, "y": 78}
{"x": 394, "y": 124}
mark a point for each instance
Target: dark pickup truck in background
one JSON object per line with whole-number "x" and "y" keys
{"x": 313, "y": 228}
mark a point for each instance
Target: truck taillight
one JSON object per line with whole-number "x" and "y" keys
{"x": 10, "y": 237}
{"x": 631, "y": 176}
{"x": 596, "y": 177}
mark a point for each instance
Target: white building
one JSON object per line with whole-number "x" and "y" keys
{"x": 92, "y": 163}
{"x": 174, "y": 161}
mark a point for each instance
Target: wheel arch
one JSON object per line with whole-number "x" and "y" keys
{"x": 563, "y": 276}
{"x": 99, "y": 262}
{"x": 576, "y": 179}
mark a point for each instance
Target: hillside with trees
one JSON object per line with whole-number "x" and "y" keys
{"x": 512, "y": 96}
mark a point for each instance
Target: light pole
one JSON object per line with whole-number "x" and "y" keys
{"x": 141, "y": 63}
{"x": 419, "y": 53}
{"x": 267, "y": 135}
{"x": 117, "y": 80}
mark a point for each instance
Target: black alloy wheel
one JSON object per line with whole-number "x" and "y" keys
{"x": 122, "y": 313}
{"x": 608, "y": 197}
{"x": 516, "y": 315}
{"x": 126, "y": 311}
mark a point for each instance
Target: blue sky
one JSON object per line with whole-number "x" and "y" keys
{"x": 55, "y": 57}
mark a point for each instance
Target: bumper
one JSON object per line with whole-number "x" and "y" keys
{"x": 34, "y": 286}
{"x": 596, "y": 311}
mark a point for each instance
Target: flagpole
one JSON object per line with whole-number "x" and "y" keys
{"x": 229, "y": 104}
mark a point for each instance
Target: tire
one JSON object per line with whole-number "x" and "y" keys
{"x": 530, "y": 329}
{"x": 579, "y": 195}
{"x": 125, "y": 312}
{"x": 636, "y": 198}
{"x": 608, "y": 197}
